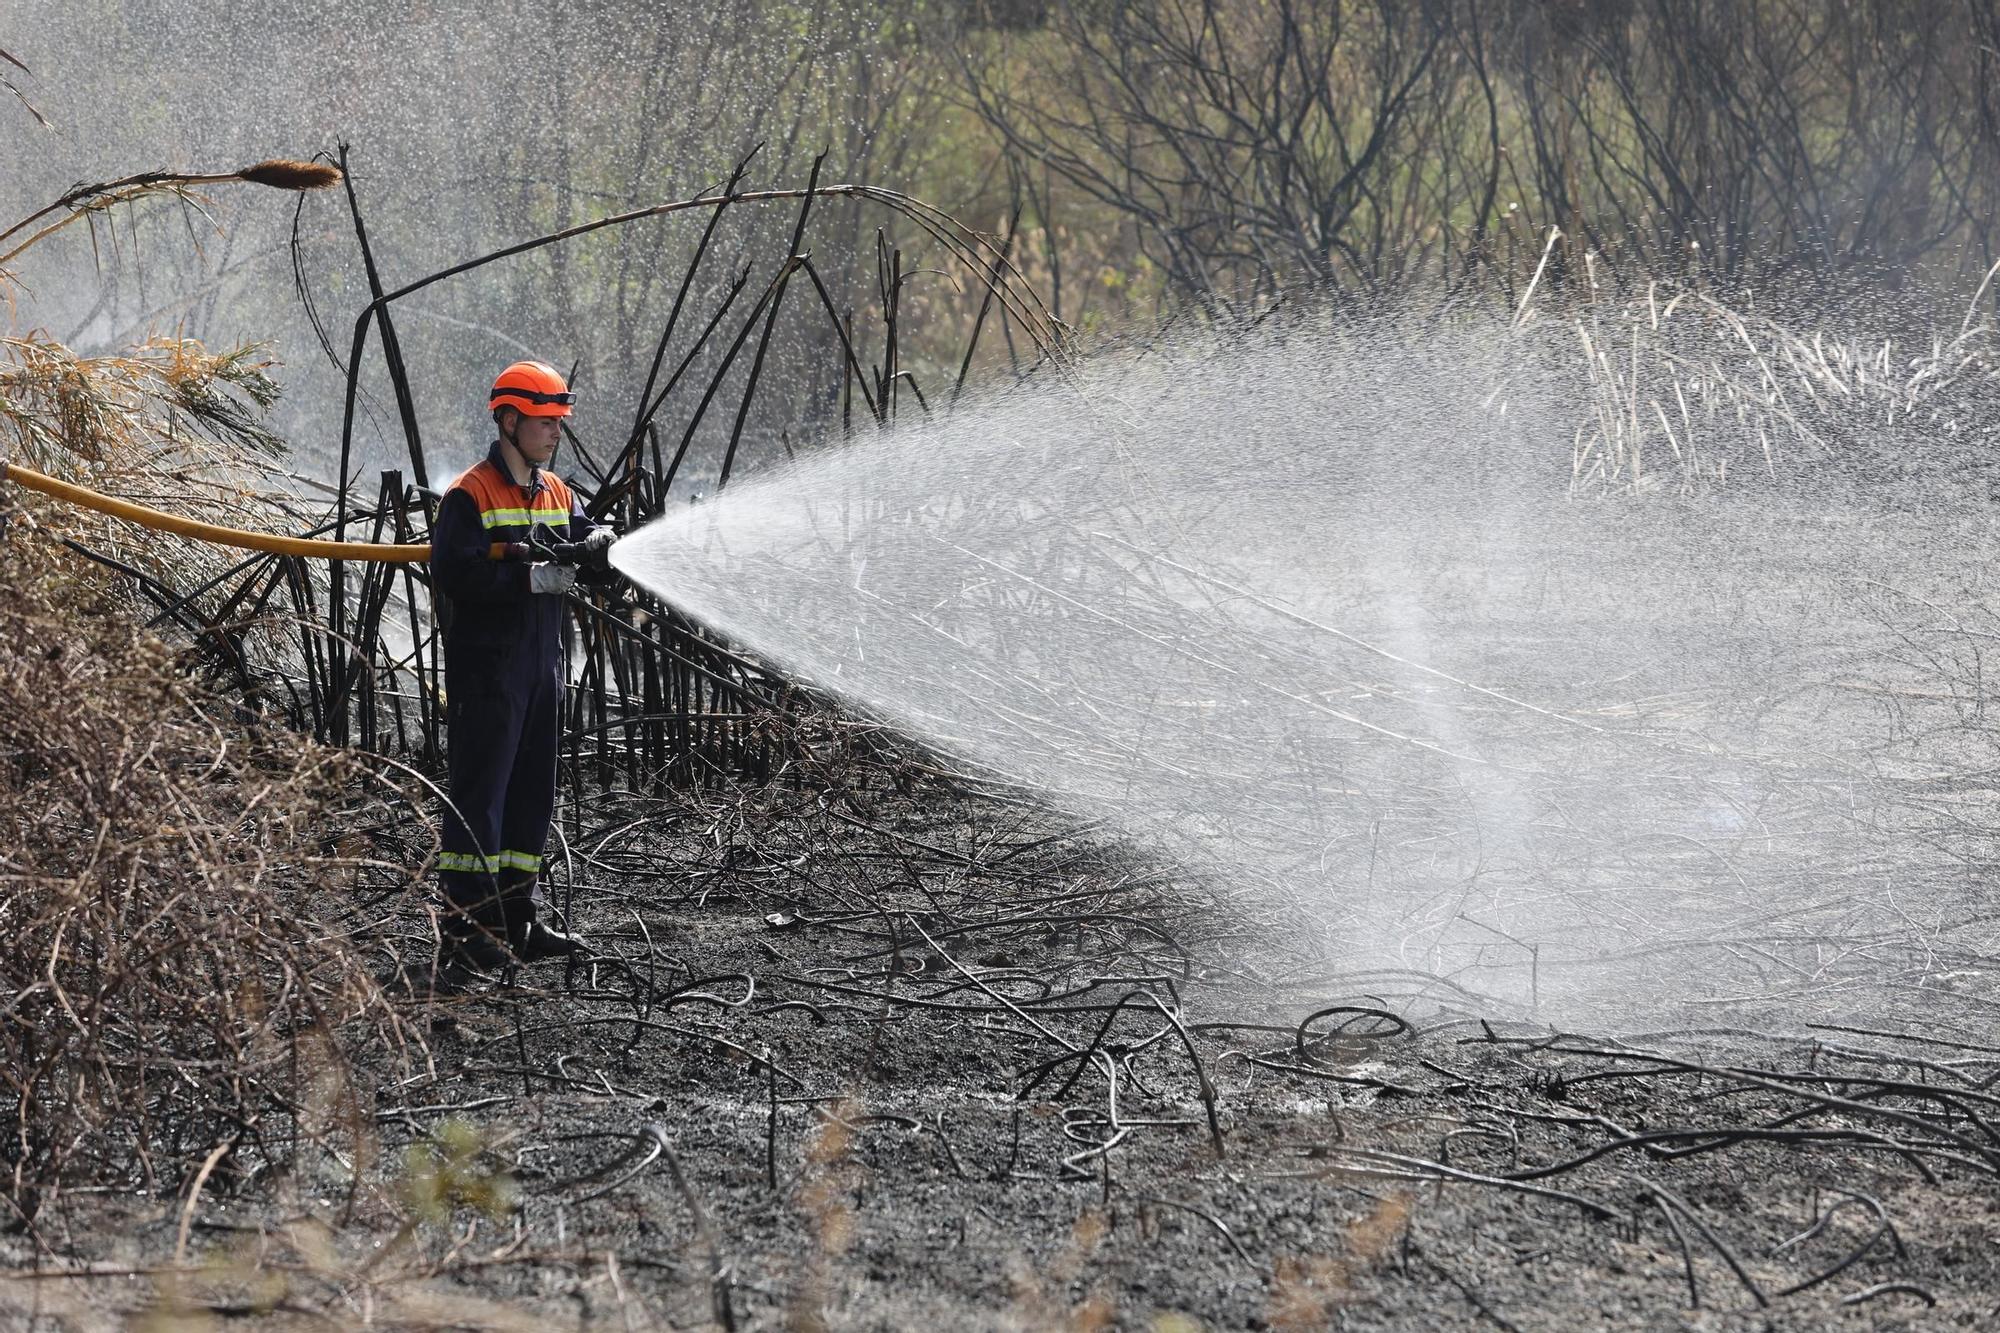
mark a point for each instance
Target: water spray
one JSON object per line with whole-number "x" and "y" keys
{"x": 1311, "y": 619}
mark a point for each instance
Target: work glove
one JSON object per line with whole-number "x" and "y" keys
{"x": 550, "y": 579}
{"x": 597, "y": 548}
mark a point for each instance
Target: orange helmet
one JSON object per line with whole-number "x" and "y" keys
{"x": 534, "y": 387}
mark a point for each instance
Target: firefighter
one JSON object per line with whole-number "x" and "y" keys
{"x": 502, "y": 667}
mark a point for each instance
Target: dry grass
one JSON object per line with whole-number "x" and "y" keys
{"x": 173, "y": 984}
{"x": 168, "y": 417}
{"x": 176, "y": 426}
{"x": 1690, "y": 391}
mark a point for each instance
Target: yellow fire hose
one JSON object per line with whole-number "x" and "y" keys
{"x": 214, "y": 533}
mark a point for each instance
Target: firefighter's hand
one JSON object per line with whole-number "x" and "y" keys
{"x": 597, "y": 548}
{"x": 549, "y": 578}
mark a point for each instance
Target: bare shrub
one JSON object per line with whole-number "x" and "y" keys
{"x": 1252, "y": 148}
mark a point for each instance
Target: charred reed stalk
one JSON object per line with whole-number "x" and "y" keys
{"x": 655, "y": 700}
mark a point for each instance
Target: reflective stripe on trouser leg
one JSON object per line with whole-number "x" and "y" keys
{"x": 472, "y": 863}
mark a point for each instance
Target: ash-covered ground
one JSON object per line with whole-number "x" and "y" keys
{"x": 880, "y": 1058}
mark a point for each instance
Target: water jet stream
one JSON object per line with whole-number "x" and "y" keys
{"x": 1312, "y": 617}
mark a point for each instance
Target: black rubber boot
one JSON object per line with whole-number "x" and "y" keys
{"x": 548, "y": 942}
{"x": 473, "y": 925}
{"x": 469, "y": 948}
{"x": 529, "y": 938}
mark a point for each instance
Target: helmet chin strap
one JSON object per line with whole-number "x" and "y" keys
{"x": 512, "y": 439}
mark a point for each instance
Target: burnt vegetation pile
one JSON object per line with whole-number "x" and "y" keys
{"x": 176, "y": 991}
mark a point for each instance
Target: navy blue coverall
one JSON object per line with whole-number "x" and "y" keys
{"x": 502, "y": 666}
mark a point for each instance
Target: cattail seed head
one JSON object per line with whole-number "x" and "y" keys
{"x": 285, "y": 174}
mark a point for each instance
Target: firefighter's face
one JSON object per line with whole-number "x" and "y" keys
{"x": 537, "y": 437}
